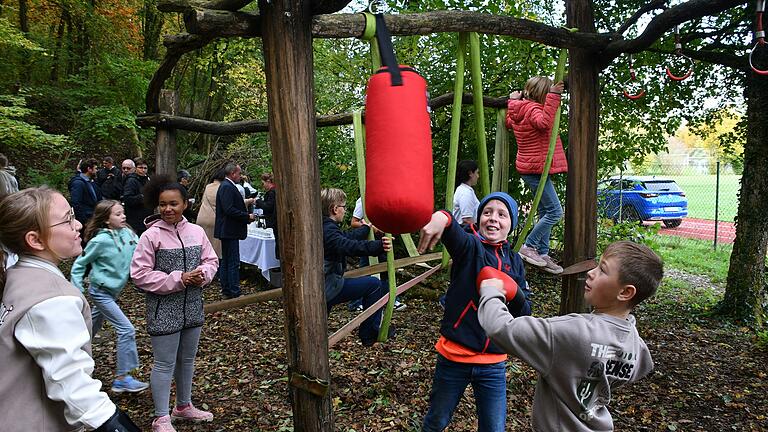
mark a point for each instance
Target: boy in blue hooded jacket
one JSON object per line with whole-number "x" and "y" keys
{"x": 465, "y": 353}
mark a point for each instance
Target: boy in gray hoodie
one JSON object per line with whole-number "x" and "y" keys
{"x": 581, "y": 358}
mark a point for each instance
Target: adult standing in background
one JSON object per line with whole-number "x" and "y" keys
{"x": 83, "y": 191}
{"x": 133, "y": 197}
{"x": 231, "y": 226}
{"x": 206, "y": 216}
{"x": 269, "y": 205}
{"x": 108, "y": 179}
{"x": 8, "y": 182}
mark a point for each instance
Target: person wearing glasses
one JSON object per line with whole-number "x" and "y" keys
{"x": 337, "y": 246}
{"x": 133, "y": 196}
{"x": 45, "y": 324}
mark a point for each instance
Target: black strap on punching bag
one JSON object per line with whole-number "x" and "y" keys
{"x": 388, "y": 59}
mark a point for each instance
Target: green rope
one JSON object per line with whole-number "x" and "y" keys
{"x": 500, "y": 181}
{"x": 477, "y": 98}
{"x": 453, "y": 151}
{"x": 385, "y": 320}
{"x": 550, "y": 154}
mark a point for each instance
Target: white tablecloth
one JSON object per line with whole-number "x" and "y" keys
{"x": 259, "y": 249}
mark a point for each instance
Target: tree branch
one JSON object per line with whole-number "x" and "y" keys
{"x": 244, "y": 24}
{"x": 656, "y": 4}
{"x": 328, "y": 6}
{"x": 663, "y": 22}
{"x": 253, "y": 126}
{"x": 185, "y": 5}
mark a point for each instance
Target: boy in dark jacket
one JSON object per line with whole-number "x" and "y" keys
{"x": 337, "y": 246}
{"x": 465, "y": 353}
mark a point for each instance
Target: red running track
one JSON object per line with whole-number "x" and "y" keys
{"x": 702, "y": 229}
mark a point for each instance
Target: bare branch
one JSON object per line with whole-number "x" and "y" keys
{"x": 253, "y": 126}
{"x": 656, "y": 4}
{"x": 243, "y": 24}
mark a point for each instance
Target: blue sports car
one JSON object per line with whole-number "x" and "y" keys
{"x": 641, "y": 198}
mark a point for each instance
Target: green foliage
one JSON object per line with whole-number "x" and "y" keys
{"x": 54, "y": 173}
{"x": 609, "y": 232}
{"x": 10, "y": 37}
{"x": 17, "y": 133}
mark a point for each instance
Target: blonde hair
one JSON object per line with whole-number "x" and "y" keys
{"x": 100, "y": 218}
{"x": 536, "y": 89}
{"x": 22, "y": 212}
{"x": 331, "y": 197}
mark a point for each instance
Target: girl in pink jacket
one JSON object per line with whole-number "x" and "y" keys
{"x": 531, "y": 115}
{"x": 172, "y": 263}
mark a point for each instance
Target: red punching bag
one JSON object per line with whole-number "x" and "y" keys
{"x": 399, "y": 194}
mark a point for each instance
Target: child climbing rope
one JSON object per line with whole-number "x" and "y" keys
{"x": 531, "y": 115}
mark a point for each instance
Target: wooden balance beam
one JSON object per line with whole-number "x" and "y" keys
{"x": 277, "y": 293}
{"x": 355, "y": 323}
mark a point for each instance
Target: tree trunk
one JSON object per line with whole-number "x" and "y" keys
{"x": 581, "y": 193}
{"x": 288, "y": 64}
{"x": 23, "y": 22}
{"x": 165, "y": 137}
{"x": 745, "y": 294}
{"x": 152, "y": 26}
{"x": 57, "y": 49}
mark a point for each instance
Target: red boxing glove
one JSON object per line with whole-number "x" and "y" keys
{"x": 510, "y": 286}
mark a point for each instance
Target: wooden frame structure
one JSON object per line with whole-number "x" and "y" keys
{"x": 287, "y": 28}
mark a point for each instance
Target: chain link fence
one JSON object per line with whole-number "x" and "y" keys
{"x": 692, "y": 200}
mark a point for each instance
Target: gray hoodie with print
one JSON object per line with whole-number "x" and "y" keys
{"x": 581, "y": 360}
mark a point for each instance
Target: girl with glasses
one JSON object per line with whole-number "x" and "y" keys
{"x": 45, "y": 334}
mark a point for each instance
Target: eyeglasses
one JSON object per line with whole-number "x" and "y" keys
{"x": 70, "y": 219}
{"x": 342, "y": 206}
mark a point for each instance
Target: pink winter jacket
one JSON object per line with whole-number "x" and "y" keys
{"x": 532, "y": 123}
{"x": 164, "y": 252}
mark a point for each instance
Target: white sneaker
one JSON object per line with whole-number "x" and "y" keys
{"x": 529, "y": 255}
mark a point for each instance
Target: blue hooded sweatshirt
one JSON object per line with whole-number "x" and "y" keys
{"x": 470, "y": 253}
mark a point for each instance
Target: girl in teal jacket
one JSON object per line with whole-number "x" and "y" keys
{"x": 109, "y": 247}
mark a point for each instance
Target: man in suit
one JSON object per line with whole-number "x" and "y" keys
{"x": 231, "y": 226}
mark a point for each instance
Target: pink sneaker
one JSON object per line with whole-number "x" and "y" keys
{"x": 529, "y": 255}
{"x": 190, "y": 413}
{"x": 162, "y": 424}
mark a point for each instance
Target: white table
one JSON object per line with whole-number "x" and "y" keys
{"x": 259, "y": 249}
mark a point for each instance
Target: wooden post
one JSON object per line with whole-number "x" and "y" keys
{"x": 581, "y": 194}
{"x": 287, "y": 41}
{"x": 165, "y": 138}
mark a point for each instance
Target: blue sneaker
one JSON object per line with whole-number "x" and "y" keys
{"x": 128, "y": 384}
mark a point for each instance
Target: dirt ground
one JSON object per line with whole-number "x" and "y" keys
{"x": 710, "y": 376}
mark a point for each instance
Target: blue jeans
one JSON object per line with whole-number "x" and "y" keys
{"x": 229, "y": 268}
{"x": 370, "y": 289}
{"x": 365, "y": 262}
{"x": 489, "y": 383}
{"x": 105, "y": 307}
{"x": 550, "y": 212}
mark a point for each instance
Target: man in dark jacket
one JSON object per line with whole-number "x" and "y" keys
{"x": 269, "y": 205}
{"x": 231, "y": 226}
{"x": 108, "y": 179}
{"x": 83, "y": 192}
{"x": 133, "y": 197}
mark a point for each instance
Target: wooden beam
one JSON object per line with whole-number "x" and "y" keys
{"x": 355, "y": 323}
{"x": 254, "y": 126}
{"x": 243, "y": 300}
{"x": 399, "y": 263}
{"x": 246, "y": 24}
{"x": 581, "y": 190}
{"x": 165, "y": 136}
{"x": 288, "y": 65}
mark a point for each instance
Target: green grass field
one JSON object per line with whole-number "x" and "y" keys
{"x": 700, "y": 190}
{"x": 695, "y": 256}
